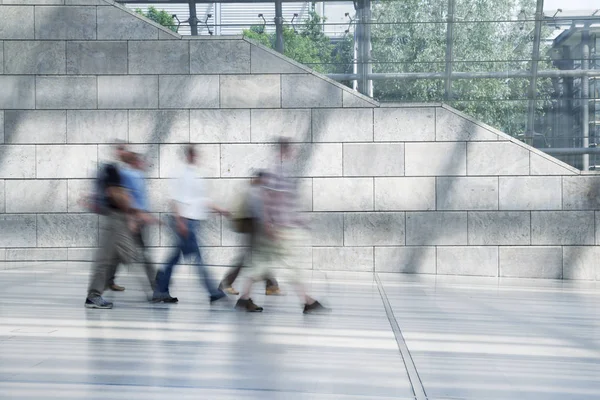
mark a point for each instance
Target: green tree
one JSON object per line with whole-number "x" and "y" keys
{"x": 410, "y": 36}
{"x": 310, "y": 45}
{"x": 160, "y": 17}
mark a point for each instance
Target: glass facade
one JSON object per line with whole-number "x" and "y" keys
{"x": 478, "y": 56}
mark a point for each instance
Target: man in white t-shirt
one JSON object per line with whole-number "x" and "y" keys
{"x": 190, "y": 209}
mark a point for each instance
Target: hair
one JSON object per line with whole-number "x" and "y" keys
{"x": 190, "y": 151}
{"x": 284, "y": 142}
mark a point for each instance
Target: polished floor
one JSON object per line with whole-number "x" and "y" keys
{"x": 388, "y": 337}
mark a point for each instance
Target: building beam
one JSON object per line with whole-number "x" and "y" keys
{"x": 279, "y": 45}
{"x": 467, "y": 75}
{"x": 449, "y": 49}
{"x": 585, "y": 95}
{"x": 193, "y": 21}
{"x": 535, "y": 57}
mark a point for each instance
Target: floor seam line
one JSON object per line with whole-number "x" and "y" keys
{"x": 411, "y": 369}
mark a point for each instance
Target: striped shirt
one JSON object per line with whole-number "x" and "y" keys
{"x": 281, "y": 196}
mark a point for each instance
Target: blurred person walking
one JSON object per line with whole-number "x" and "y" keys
{"x": 247, "y": 220}
{"x": 117, "y": 242}
{"x": 190, "y": 207}
{"x": 281, "y": 237}
{"x": 135, "y": 180}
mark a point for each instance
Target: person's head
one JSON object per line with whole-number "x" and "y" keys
{"x": 139, "y": 162}
{"x": 284, "y": 147}
{"x": 258, "y": 178}
{"x": 190, "y": 154}
{"x": 121, "y": 150}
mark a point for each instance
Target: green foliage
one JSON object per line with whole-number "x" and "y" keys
{"x": 410, "y": 36}
{"x": 160, "y": 17}
{"x": 309, "y": 45}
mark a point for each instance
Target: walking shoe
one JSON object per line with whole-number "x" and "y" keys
{"x": 230, "y": 291}
{"x": 98, "y": 302}
{"x": 247, "y": 305}
{"x": 273, "y": 291}
{"x": 116, "y": 288}
{"x": 164, "y": 298}
{"x": 315, "y": 307}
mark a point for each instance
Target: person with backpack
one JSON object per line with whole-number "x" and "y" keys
{"x": 117, "y": 243}
{"x": 247, "y": 220}
{"x": 97, "y": 201}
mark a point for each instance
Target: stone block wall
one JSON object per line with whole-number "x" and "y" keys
{"x": 397, "y": 188}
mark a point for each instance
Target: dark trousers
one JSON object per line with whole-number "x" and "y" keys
{"x": 234, "y": 271}
{"x": 148, "y": 268}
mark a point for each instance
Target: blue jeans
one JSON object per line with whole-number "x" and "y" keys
{"x": 187, "y": 246}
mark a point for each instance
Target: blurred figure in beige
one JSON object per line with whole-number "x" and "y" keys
{"x": 282, "y": 236}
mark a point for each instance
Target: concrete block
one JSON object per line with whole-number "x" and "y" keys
{"x": 543, "y": 166}
{"x": 531, "y": 262}
{"x": 530, "y": 193}
{"x": 127, "y": 92}
{"x": 1, "y": 127}
{"x": 467, "y": 193}
{"x": 96, "y": 126}
{"x": 67, "y": 230}
{"x": 562, "y": 227}
{"x": 343, "y": 258}
{"x": 327, "y": 229}
{"x": 208, "y": 234}
{"x": 499, "y": 228}
{"x": 60, "y": 23}
{"x": 35, "y": 126}
{"x": 309, "y": 91}
{"x": 250, "y": 91}
{"x": 159, "y": 126}
{"x": 404, "y": 124}
{"x": 24, "y": 196}
{"x": 65, "y": 161}
{"x": 219, "y": 57}
{"x": 102, "y": 58}
{"x": 150, "y": 153}
{"x": 18, "y": 230}
{"x": 117, "y": 24}
{"x": 374, "y": 228}
{"x": 17, "y": 22}
{"x": 18, "y": 92}
{"x": 408, "y": 260}
{"x": 268, "y": 125}
{"x": 342, "y": 125}
{"x": 221, "y": 256}
{"x": 343, "y": 194}
{"x": 305, "y": 194}
{"x": 324, "y": 159}
{"x": 17, "y": 162}
{"x": 159, "y": 57}
{"x": 36, "y": 255}
{"x": 497, "y": 158}
{"x": 183, "y": 91}
{"x": 219, "y": 126}
{"x": 159, "y": 193}
{"x": 82, "y": 254}
{"x": 239, "y": 160}
{"x": 436, "y": 228}
{"x": 34, "y": 57}
{"x": 373, "y": 159}
{"x": 60, "y": 92}
{"x": 226, "y": 192}
{"x": 269, "y": 62}
{"x": 86, "y": 2}
{"x": 435, "y": 159}
{"x": 76, "y": 189}
{"x": 352, "y": 100}
{"x": 581, "y": 262}
{"x": 472, "y": 260}
{"x": 452, "y": 127}
{"x": 2, "y": 197}
{"x": 172, "y": 158}
{"x": 581, "y": 192}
